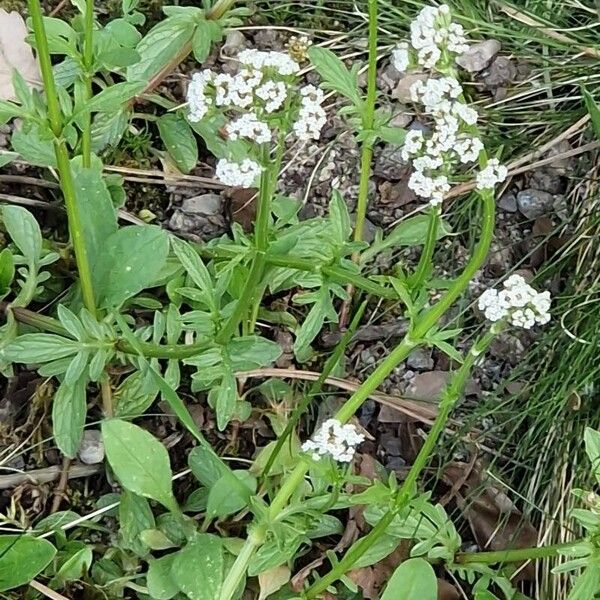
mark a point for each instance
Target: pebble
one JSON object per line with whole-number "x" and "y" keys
{"x": 534, "y": 203}
{"x": 91, "y": 449}
{"x": 508, "y": 202}
{"x": 479, "y": 56}
{"x": 205, "y": 204}
{"x": 235, "y": 42}
{"x": 501, "y": 72}
{"x": 420, "y": 359}
{"x": 402, "y": 90}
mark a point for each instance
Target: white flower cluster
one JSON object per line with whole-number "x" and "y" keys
{"x": 431, "y": 35}
{"x": 518, "y": 301}
{"x": 235, "y": 174}
{"x": 451, "y": 140}
{"x": 334, "y": 439}
{"x": 311, "y": 117}
{"x": 262, "y": 87}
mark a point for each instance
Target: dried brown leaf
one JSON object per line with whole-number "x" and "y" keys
{"x": 15, "y": 54}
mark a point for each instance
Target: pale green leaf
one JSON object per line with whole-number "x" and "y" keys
{"x": 40, "y": 347}
{"x": 414, "y": 579}
{"x": 33, "y": 146}
{"x": 334, "y": 73}
{"x": 22, "y": 558}
{"x": 139, "y": 460}
{"x": 112, "y": 97}
{"x": 24, "y": 231}
{"x": 198, "y": 568}
{"x": 161, "y": 584}
{"x": 179, "y": 140}
{"x": 69, "y": 409}
{"x": 135, "y": 516}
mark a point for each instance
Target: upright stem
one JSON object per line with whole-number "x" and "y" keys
{"x": 41, "y": 42}
{"x": 261, "y": 244}
{"x": 428, "y": 249}
{"x": 404, "y": 494}
{"x": 367, "y": 125}
{"x": 219, "y": 9}
{"x": 88, "y": 62}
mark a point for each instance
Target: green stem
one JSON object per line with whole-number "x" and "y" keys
{"x": 367, "y": 125}
{"x": 261, "y": 244}
{"x": 516, "y": 555}
{"x": 41, "y": 42}
{"x": 428, "y": 249}
{"x": 315, "y": 388}
{"x": 88, "y": 63}
{"x": 75, "y": 225}
{"x": 405, "y": 492}
{"x": 238, "y": 570}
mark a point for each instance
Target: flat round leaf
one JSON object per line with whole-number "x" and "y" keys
{"x": 139, "y": 460}
{"x": 414, "y": 579}
{"x": 22, "y": 558}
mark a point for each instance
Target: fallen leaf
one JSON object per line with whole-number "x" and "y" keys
{"x": 272, "y": 580}
{"x": 241, "y": 206}
{"x": 446, "y": 591}
{"x": 495, "y": 521}
{"x": 15, "y": 54}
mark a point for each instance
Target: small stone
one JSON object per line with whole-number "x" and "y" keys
{"x": 561, "y": 165}
{"x": 401, "y": 119}
{"x": 547, "y": 180}
{"x": 267, "y": 39}
{"x": 402, "y": 91}
{"x": 479, "y": 56}
{"x": 389, "y": 163}
{"x": 91, "y": 449}
{"x": 534, "y": 203}
{"x": 508, "y": 202}
{"x": 205, "y": 204}
{"x": 427, "y": 386}
{"x": 500, "y": 73}
{"x": 388, "y": 78}
{"x": 235, "y": 42}
{"x": 391, "y": 444}
{"x": 420, "y": 359}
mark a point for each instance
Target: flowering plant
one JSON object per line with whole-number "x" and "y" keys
{"x": 257, "y": 521}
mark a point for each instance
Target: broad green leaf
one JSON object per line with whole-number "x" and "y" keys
{"x": 112, "y": 97}
{"x": 414, "y": 579}
{"x": 7, "y": 157}
{"x": 383, "y": 547}
{"x": 69, "y": 409}
{"x": 198, "y": 568}
{"x": 587, "y": 584}
{"x": 320, "y": 312}
{"x": 392, "y": 135}
{"x": 33, "y": 146}
{"x": 339, "y": 218}
{"x": 223, "y": 398}
{"x": 135, "y": 395}
{"x": 139, "y": 460}
{"x": 97, "y": 214}
{"x": 193, "y": 265}
{"x": 135, "y": 516}
{"x": 162, "y": 44}
{"x": 207, "y": 467}
{"x": 71, "y": 323}
{"x": 251, "y": 352}
{"x": 108, "y": 128}
{"x": 206, "y": 33}
{"x": 275, "y": 552}
{"x": 40, "y": 347}
{"x": 8, "y": 111}
{"x": 76, "y": 566}
{"x": 410, "y": 232}
{"x": 591, "y": 437}
{"x": 132, "y": 259}
{"x": 56, "y": 521}
{"x": 161, "y": 584}
{"x": 24, "y": 231}
{"x": 7, "y": 271}
{"x": 223, "y": 501}
{"x": 334, "y": 73}
{"x": 22, "y": 558}
{"x": 593, "y": 110}
{"x": 179, "y": 140}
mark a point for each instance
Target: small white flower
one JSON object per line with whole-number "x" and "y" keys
{"x": 235, "y": 174}
{"x": 427, "y": 163}
{"x": 413, "y": 143}
{"x": 334, "y": 439}
{"x": 468, "y": 149}
{"x": 249, "y": 127}
{"x": 311, "y": 120}
{"x": 428, "y": 56}
{"x": 401, "y": 57}
{"x": 199, "y": 102}
{"x": 493, "y": 174}
{"x": 280, "y": 62}
{"x": 518, "y": 301}
{"x": 466, "y": 113}
{"x": 274, "y": 93}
